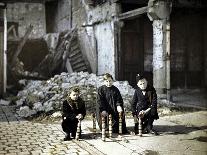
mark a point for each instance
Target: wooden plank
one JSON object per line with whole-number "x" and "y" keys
{"x": 77, "y": 60}
{"x": 10, "y": 28}
{"x": 75, "y": 57}
{"x": 67, "y": 45}
{"x": 133, "y": 14}
{"x": 80, "y": 60}
{"x": 83, "y": 68}
{"x": 21, "y": 44}
{"x": 74, "y": 47}
{"x": 68, "y": 66}
{"x": 78, "y": 66}
{"x": 78, "y": 52}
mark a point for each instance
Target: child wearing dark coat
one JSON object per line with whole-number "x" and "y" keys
{"x": 109, "y": 101}
{"x": 144, "y": 105}
{"x": 73, "y": 110}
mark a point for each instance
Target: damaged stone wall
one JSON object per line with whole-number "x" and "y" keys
{"x": 92, "y": 23}
{"x": 25, "y": 14}
{"x": 98, "y": 23}
{"x": 61, "y": 15}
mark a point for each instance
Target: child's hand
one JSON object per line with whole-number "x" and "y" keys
{"x": 119, "y": 109}
{"x": 79, "y": 116}
{"x": 141, "y": 113}
{"x": 104, "y": 113}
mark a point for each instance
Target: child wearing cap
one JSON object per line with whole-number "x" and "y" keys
{"x": 144, "y": 105}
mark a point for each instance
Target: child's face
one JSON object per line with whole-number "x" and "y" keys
{"x": 142, "y": 84}
{"x": 74, "y": 95}
{"x": 108, "y": 82}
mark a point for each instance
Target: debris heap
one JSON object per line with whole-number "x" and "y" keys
{"x": 47, "y": 96}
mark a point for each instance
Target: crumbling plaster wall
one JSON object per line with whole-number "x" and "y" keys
{"x": 62, "y": 19}
{"x": 25, "y": 14}
{"x": 98, "y": 23}
{"x": 105, "y": 47}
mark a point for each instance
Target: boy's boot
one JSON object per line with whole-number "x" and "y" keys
{"x": 136, "y": 128}
{"x": 67, "y": 137}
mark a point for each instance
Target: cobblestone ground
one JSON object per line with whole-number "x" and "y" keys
{"x": 20, "y": 137}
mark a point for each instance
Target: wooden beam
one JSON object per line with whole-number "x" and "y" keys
{"x": 21, "y": 44}
{"x": 133, "y": 14}
{"x": 10, "y": 28}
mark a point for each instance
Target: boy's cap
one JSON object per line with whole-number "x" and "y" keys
{"x": 107, "y": 76}
{"x": 140, "y": 76}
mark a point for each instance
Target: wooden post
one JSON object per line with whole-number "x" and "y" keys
{"x": 110, "y": 126}
{"x": 120, "y": 123}
{"x": 78, "y": 132}
{"x": 140, "y": 127}
{"x": 94, "y": 122}
{"x": 5, "y": 51}
{"x": 103, "y": 129}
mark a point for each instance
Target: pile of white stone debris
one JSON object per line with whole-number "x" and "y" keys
{"x": 47, "y": 96}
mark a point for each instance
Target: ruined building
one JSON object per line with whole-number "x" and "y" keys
{"x": 165, "y": 39}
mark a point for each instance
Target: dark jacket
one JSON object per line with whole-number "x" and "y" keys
{"x": 107, "y": 100}
{"x": 143, "y": 102}
{"x": 72, "y": 108}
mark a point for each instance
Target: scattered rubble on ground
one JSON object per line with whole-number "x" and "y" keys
{"x": 46, "y": 96}
{"x": 4, "y": 102}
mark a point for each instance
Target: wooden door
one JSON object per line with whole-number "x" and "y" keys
{"x": 132, "y": 50}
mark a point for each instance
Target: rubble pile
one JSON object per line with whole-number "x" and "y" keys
{"x": 47, "y": 96}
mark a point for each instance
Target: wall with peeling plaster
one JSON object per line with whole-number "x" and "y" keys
{"x": 105, "y": 47}
{"x": 97, "y": 24}
{"x": 25, "y": 14}
{"x": 58, "y": 15}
